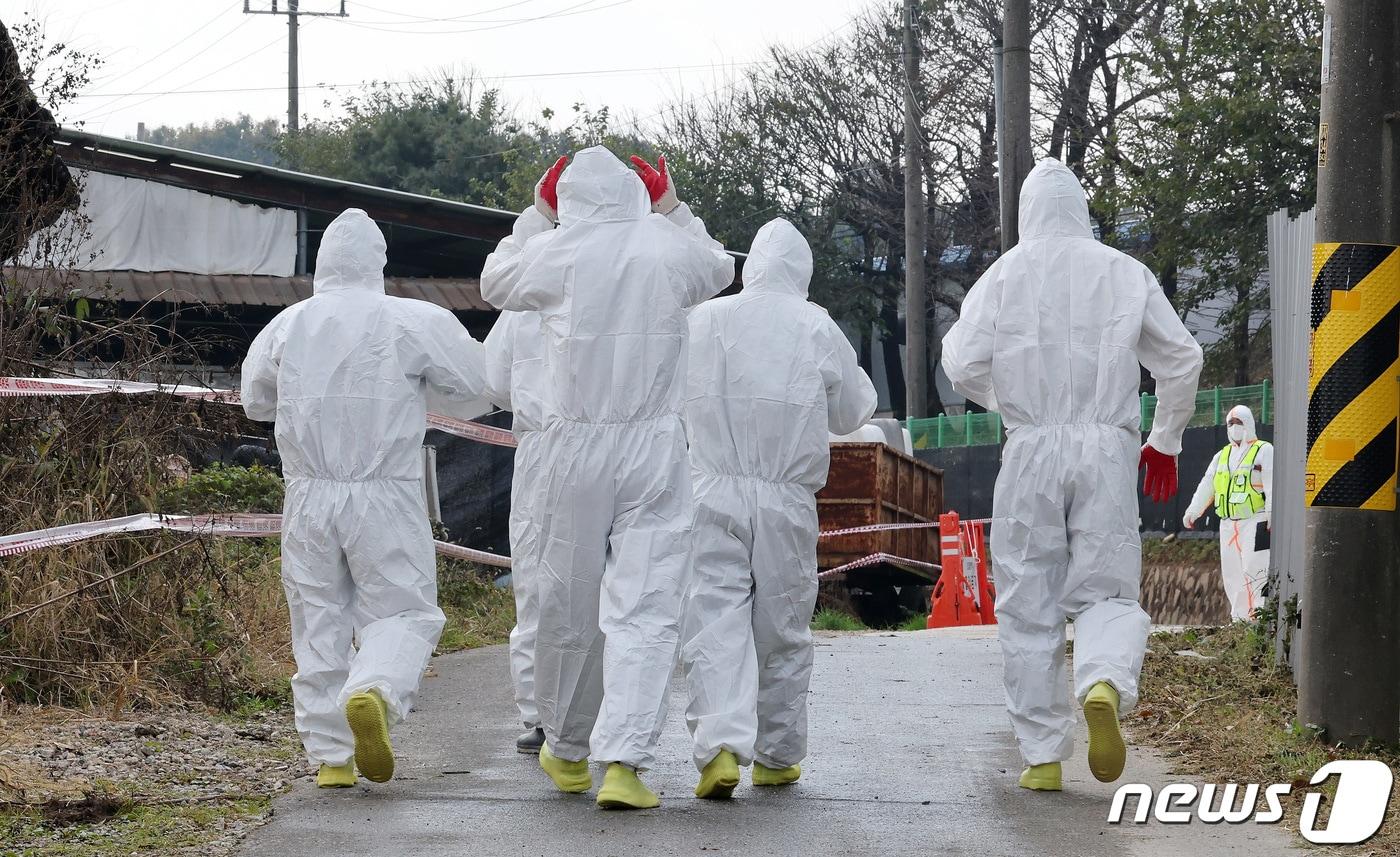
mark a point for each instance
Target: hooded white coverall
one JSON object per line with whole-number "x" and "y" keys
{"x": 1051, "y": 336}
{"x": 1243, "y": 569}
{"x": 347, "y": 375}
{"x": 518, "y": 381}
{"x": 612, "y": 285}
{"x": 770, "y": 374}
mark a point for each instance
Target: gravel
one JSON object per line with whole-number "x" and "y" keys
{"x": 55, "y": 758}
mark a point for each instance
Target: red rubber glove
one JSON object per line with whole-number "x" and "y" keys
{"x": 1160, "y": 483}
{"x": 658, "y": 182}
{"x": 547, "y": 190}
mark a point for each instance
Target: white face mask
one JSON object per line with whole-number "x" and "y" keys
{"x": 1236, "y": 434}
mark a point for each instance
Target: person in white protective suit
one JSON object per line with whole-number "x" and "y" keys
{"x": 1239, "y": 483}
{"x": 769, "y": 376}
{"x": 612, "y": 285}
{"x": 518, "y": 381}
{"x": 1051, "y": 337}
{"x": 347, "y": 376}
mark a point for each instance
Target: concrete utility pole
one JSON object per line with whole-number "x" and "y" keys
{"x": 293, "y": 12}
{"x": 1349, "y": 677}
{"x": 915, "y": 232}
{"x": 293, "y": 84}
{"x": 1014, "y": 114}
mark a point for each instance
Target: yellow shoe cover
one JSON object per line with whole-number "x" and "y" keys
{"x": 336, "y": 776}
{"x": 369, "y": 721}
{"x": 1042, "y": 778}
{"x": 719, "y": 778}
{"x": 623, "y": 790}
{"x": 766, "y": 776}
{"x": 570, "y": 777}
{"x": 1107, "y": 753}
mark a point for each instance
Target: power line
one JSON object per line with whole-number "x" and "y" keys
{"x": 421, "y": 19}
{"x": 143, "y": 88}
{"x": 485, "y": 77}
{"x": 566, "y": 12}
{"x": 164, "y": 54}
{"x": 191, "y": 83}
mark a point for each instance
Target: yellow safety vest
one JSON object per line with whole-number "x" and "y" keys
{"x": 1235, "y": 495}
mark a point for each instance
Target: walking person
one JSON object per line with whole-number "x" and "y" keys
{"x": 770, "y": 377}
{"x": 347, "y": 375}
{"x": 1239, "y": 483}
{"x": 1052, "y": 336}
{"x": 612, "y": 284}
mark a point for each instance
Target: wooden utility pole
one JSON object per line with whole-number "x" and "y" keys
{"x": 1014, "y": 114}
{"x": 1349, "y": 676}
{"x": 915, "y": 231}
{"x": 293, "y": 12}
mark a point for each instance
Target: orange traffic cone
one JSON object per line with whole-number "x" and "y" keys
{"x": 975, "y": 538}
{"x": 952, "y": 603}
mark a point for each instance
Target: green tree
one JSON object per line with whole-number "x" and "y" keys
{"x": 438, "y": 137}
{"x": 535, "y": 148}
{"x": 1229, "y": 140}
{"x": 242, "y": 138}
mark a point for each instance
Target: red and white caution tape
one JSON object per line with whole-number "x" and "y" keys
{"x": 10, "y": 387}
{"x": 236, "y": 525}
{"x": 876, "y": 528}
{"x": 469, "y": 429}
{"x": 879, "y": 528}
{"x": 53, "y": 536}
{"x": 878, "y": 559}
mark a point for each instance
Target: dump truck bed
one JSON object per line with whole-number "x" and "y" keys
{"x": 871, "y": 483}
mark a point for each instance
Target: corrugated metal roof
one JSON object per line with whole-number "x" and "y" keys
{"x": 239, "y": 169}
{"x": 461, "y": 294}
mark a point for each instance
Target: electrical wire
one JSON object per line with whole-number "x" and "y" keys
{"x": 421, "y": 19}
{"x": 153, "y": 97}
{"x": 369, "y": 83}
{"x": 162, "y": 54}
{"x": 143, "y": 88}
{"x": 566, "y": 12}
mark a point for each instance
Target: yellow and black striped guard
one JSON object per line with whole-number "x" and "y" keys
{"x": 1354, "y": 384}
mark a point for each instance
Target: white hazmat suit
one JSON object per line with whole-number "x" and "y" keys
{"x": 612, "y": 285}
{"x": 1051, "y": 336}
{"x": 1243, "y": 569}
{"x": 770, "y": 374}
{"x": 347, "y": 375}
{"x": 518, "y": 380}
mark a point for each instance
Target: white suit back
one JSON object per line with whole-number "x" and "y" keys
{"x": 349, "y": 371}
{"x": 770, "y": 374}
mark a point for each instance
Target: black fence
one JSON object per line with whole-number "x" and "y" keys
{"x": 474, "y": 488}
{"x": 970, "y": 473}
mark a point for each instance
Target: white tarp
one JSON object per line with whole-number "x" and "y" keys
{"x": 138, "y": 225}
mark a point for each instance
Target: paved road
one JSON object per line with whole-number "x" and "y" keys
{"x": 912, "y": 755}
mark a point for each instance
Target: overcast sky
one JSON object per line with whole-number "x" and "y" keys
{"x": 164, "y": 56}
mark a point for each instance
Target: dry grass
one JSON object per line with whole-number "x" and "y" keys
{"x": 201, "y": 619}
{"x": 1229, "y": 717}
{"x": 479, "y": 613}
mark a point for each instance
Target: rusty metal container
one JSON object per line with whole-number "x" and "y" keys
{"x": 871, "y": 483}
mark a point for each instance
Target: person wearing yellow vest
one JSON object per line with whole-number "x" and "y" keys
{"x": 1239, "y": 482}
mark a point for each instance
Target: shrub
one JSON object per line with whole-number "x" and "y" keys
{"x": 225, "y": 488}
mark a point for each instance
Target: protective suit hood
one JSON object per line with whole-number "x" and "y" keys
{"x": 1053, "y": 204}
{"x": 1246, "y": 416}
{"x": 598, "y": 188}
{"x": 352, "y": 254}
{"x": 780, "y": 260}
